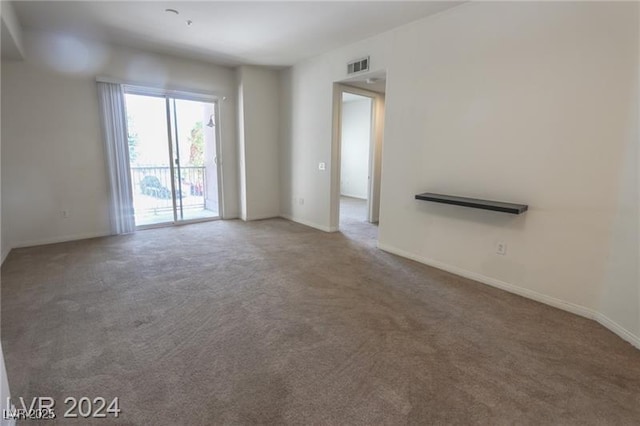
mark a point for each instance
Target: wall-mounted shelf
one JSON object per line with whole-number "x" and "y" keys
{"x": 475, "y": 203}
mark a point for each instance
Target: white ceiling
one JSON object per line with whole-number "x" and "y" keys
{"x": 227, "y": 33}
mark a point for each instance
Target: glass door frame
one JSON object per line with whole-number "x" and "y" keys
{"x": 169, "y": 96}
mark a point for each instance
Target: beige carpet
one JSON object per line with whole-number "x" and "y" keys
{"x": 354, "y": 222}
{"x": 272, "y": 322}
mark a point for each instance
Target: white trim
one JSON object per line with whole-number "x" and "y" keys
{"x": 173, "y": 91}
{"x": 177, "y": 223}
{"x": 529, "y": 294}
{"x": 336, "y": 147}
{"x": 616, "y": 328}
{"x": 335, "y": 159}
{"x": 309, "y": 224}
{"x": 261, "y": 217}
{"x": 219, "y": 159}
{"x": 354, "y": 196}
{"x": 171, "y": 120}
{"x": 374, "y": 98}
{"x": 165, "y": 93}
{"x": 170, "y": 113}
{"x": 63, "y": 239}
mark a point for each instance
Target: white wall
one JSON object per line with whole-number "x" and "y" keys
{"x": 355, "y": 141}
{"x": 52, "y": 147}
{"x": 617, "y": 299}
{"x": 258, "y": 135}
{"x": 536, "y": 110}
{"x": 524, "y": 102}
{"x": 306, "y": 126}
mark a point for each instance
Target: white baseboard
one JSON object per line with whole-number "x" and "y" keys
{"x": 354, "y": 196}
{"x": 261, "y": 217}
{"x": 616, "y": 328}
{"x": 61, "y": 239}
{"x": 309, "y": 224}
{"x": 530, "y": 294}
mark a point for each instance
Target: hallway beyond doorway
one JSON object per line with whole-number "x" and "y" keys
{"x": 353, "y": 220}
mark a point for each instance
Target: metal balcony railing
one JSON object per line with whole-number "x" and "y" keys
{"x": 152, "y": 188}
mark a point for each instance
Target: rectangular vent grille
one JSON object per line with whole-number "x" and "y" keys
{"x": 358, "y": 65}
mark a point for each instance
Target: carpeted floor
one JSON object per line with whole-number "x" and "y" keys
{"x": 354, "y": 223}
{"x": 272, "y": 322}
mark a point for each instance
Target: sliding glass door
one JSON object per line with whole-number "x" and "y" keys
{"x": 195, "y": 159}
{"x": 173, "y": 158}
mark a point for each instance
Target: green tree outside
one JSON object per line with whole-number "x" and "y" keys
{"x": 196, "y": 150}
{"x": 132, "y": 136}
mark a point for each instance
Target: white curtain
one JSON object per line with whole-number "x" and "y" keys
{"x": 116, "y": 144}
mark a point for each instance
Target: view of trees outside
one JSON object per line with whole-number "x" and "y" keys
{"x": 195, "y": 141}
{"x": 147, "y": 131}
{"x": 196, "y": 145}
{"x": 133, "y": 139}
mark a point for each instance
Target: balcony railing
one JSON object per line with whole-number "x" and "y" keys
{"x": 152, "y": 188}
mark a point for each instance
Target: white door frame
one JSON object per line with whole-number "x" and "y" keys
{"x": 193, "y": 96}
{"x": 375, "y": 152}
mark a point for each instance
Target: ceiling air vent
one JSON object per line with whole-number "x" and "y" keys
{"x": 358, "y": 65}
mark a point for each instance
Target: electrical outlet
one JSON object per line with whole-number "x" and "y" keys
{"x": 301, "y": 201}
{"x": 322, "y": 166}
{"x": 501, "y": 248}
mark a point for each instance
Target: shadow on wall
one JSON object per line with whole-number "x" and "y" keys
{"x": 468, "y": 214}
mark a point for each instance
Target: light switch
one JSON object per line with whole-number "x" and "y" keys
{"x": 322, "y": 166}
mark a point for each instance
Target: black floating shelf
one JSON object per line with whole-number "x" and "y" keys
{"x": 475, "y": 203}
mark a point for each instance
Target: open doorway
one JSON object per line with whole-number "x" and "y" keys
{"x": 357, "y": 157}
